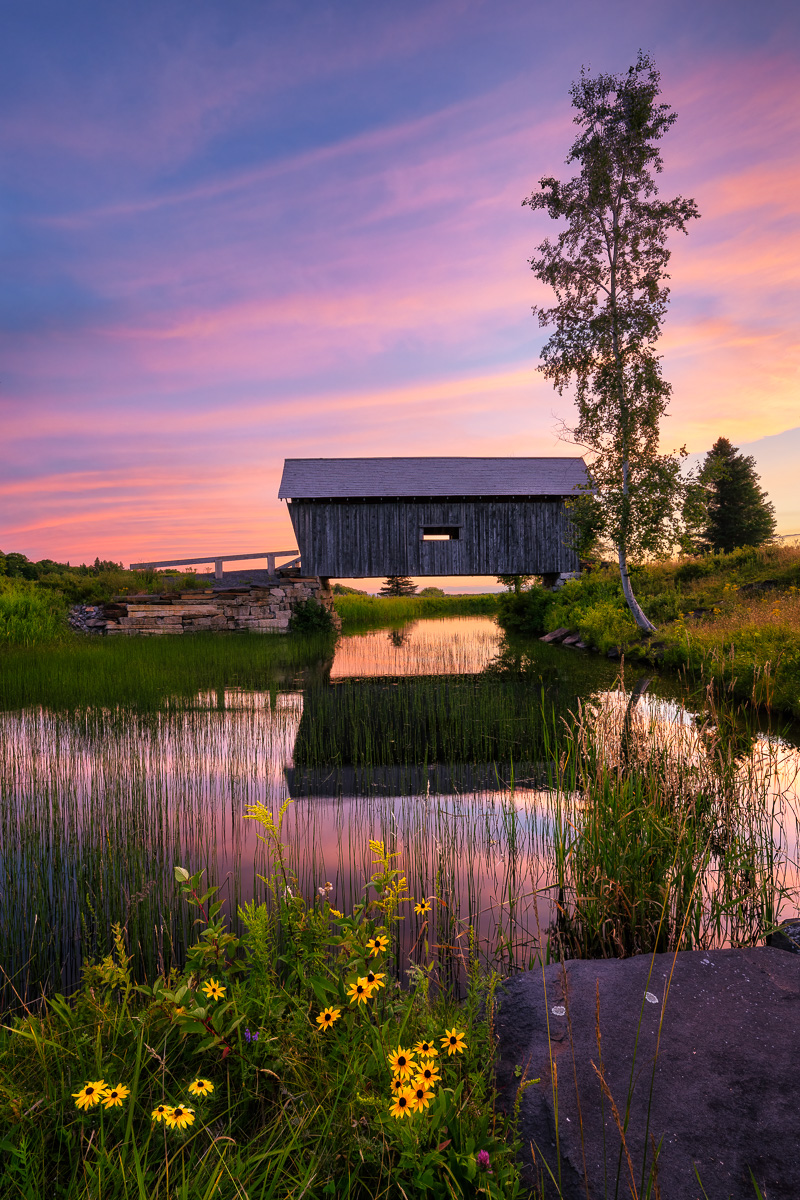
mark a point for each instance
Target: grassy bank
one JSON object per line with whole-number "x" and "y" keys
{"x": 146, "y": 673}
{"x": 367, "y": 612}
{"x": 285, "y": 1063}
{"x": 732, "y": 618}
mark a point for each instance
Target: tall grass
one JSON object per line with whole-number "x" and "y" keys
{"x": 146, "y": 673}
{"x": 30, "y": 616}
{"x": 364, "y": 612}
{"x": 664, "y": 838}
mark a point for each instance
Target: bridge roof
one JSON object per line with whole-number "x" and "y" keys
{"x": 394, "y": 478}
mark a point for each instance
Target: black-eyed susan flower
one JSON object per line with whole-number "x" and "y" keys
{"x": 214, "y": 990}
{"x": 426, "y": 1049}
{"x": 327, "y": 1017}
{"x": 423, "y": 907}
{"x": 453, "y": 1041}
{"x": 113, "y": 1096}
{"x": 401, "y": 1105}
{"x": 427, "y": 1074}
{"x": 375, "y": 979}
{"x": 421, "y": 1097}
{"x": 161, "y": 1112}
{"x": 377, "y": 945}
{"x": 180, "y": 1116}
{"x": 402, "y": 1062}
{"x": 201, "y": 1087}
{"x": 360, "y": 992}
{"x": 90, "y": 1094}
{"x": 398, "y": 1084}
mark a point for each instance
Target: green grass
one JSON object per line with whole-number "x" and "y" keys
{"x": 364, "y": 612}
{"x": 147, "y": 673}
{"x": 292, "y": 1111}
{"x": 745, "y": 635}
{"x": 30, "y": 616}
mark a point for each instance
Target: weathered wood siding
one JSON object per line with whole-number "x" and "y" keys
{"x": 357, "y": 539}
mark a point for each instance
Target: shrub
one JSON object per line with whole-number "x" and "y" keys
{"x": 29, "y": 616}
{"x": 525, "y": 613}
{"x": 309, "y": 616}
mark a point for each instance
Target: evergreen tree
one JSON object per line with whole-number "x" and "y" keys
{"x": 739, "y": 513}
{"x": 398, "y": 585}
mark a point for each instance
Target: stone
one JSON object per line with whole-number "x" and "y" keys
{"x": 725, "y": 1086}
{"x": 786, "y": 936}
{"x": 556, "y": 636}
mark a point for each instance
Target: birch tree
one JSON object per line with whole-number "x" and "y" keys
{"x": 607, "y": 268}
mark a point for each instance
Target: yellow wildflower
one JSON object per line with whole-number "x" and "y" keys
{"x": 421, "y": 1097}
{"x": 453, "y": 1041}
{"x": 427, "y": 1074}
{"x": 161, "y": 1112}
{"x": 375, "y": 979}
{"x": 180, "y": 1116}
{"x": 335, "y": 913}
{"x": 422, "y": 908}
{"x": 214, "y": 990}
{"x": 402, "y": 1062}
{"x": 426, "y": 1049}
{"x": 360, "y": 992}
{"x": 114, "y": 1096}
{"x": 201, "y": 1087}
{"x": 327, "y": 1017}
{"x": 90, "y": 1094}
{"x": 377, "y": 945}
{"x": 401, "y": 1105}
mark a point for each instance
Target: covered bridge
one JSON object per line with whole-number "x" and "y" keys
{"x": 365, "y": 518}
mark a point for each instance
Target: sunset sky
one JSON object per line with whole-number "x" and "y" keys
{"x": 236, "y": 232}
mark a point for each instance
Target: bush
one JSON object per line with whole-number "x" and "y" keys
{"x": 29, "y": 616}
{"x": 309, "y": 616}
{"x": 525, "y": 613}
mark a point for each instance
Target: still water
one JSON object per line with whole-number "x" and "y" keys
{"x": 437, "y": 738}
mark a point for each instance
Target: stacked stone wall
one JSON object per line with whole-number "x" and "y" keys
{"x": 265, "y": 609}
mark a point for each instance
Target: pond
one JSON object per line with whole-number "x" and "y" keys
{"x": 439, "y": 738}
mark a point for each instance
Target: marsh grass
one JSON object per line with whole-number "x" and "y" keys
{"x": 664, "y": 838}
{"x": 147, "y": 674}
{"x": 364, "y": 612}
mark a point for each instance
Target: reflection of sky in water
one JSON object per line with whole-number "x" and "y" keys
{"x": 445, "y": 646}
{"x": 173, "y": 787}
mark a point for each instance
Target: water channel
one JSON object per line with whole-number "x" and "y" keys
{"x": 438, "y": 738}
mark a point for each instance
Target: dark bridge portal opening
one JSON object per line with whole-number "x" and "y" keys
{"x": 368, "y": 518}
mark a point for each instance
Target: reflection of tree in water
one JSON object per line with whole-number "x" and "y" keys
{"x": 399, "y": 637}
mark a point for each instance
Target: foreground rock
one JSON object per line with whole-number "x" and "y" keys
{"x": 726, "y": 1085}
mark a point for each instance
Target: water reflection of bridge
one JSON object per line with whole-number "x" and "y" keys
{"x": 446, "y": 707}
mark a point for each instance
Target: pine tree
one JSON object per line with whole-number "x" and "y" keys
{"x": 739, "y": 513}
{"x": 398, "y": 585}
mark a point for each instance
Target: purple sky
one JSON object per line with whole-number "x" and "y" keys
{"x": 234, "y": 233}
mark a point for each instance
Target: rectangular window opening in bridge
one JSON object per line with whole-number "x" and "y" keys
{"x": 440, "y": 533}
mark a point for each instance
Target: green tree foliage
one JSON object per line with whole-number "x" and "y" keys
{"x": 514, "y": 583}
{"x": 737, "y": 511}
{"x": 398, "y": 585}
{"x": 607, "y": 268}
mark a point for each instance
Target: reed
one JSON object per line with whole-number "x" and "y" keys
{"x": 365, "y": 612}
